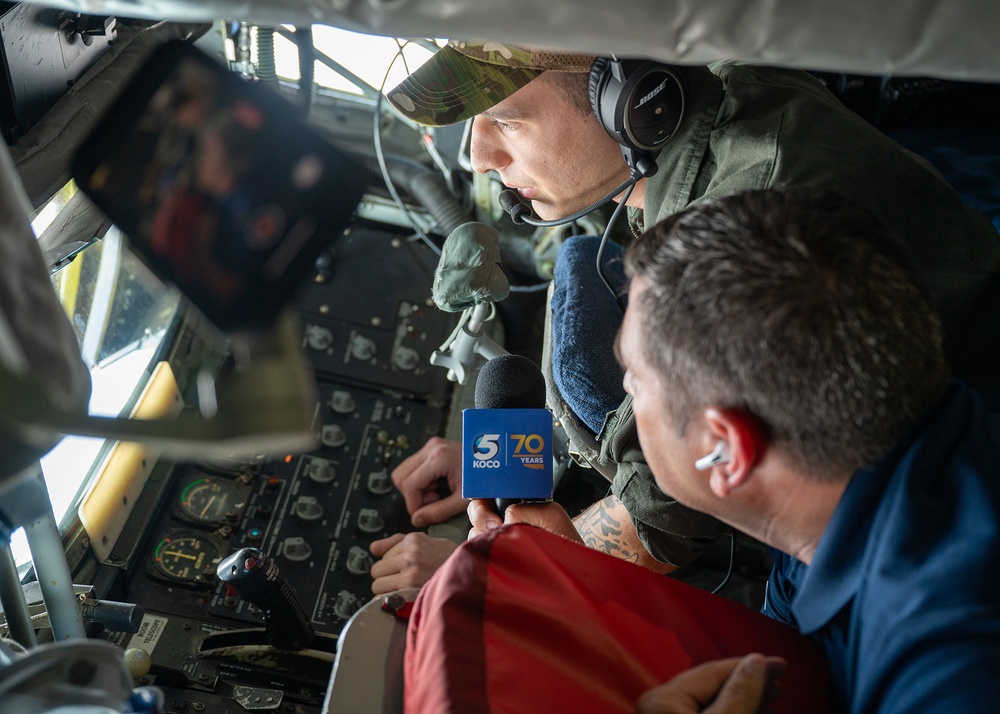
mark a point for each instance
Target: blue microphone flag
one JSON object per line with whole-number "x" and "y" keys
{"x": 507, "y": 453}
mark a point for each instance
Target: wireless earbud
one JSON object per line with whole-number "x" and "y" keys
{"x": 719, "y": 455}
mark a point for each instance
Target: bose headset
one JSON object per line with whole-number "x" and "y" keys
{"x": 640, "y": 104}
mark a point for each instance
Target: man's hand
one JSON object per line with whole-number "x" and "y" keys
{"x": 740, "y": 685}
{"x": 420, "y": 479}
{"x": 547, "y": 516}
{"x": 407, "y": 561}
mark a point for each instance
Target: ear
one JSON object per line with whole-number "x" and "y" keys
{"x": 746, "y": 443}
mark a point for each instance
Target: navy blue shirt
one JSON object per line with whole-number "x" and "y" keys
{"x": 903, "y": 593}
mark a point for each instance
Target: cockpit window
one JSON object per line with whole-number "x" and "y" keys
{"x": 351, "y": 62}
{"x": 122, "y": 316}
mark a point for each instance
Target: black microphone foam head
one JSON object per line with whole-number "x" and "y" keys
{"x": 510, "y": 382}
{"x": 511, "y": 203}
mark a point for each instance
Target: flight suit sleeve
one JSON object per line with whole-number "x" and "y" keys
{"x": 669, "y": 530}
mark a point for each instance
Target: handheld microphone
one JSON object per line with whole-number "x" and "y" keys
{"x": 507, "y": 438}
{"x": 520, "y": 212}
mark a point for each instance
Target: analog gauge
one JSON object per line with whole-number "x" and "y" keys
{"x": 209, "y": 499}
{"x": 187, "y": 557}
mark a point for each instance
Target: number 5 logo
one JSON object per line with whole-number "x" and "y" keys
{"x": 486, "y": 447}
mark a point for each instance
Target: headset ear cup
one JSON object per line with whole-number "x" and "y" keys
{"x": 598, "y": 70}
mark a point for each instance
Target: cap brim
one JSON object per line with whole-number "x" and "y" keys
{"x": 451, "y": 87}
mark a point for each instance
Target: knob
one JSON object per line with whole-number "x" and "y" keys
{"x": 296, "y": 549}
{"x": 116, "y": 616}
{"x": 379, "y": 482}
{"x": 137, "y": 662}
{"x": 342, "y": 402}
{"x": 363, "y": 348}
{"x": 321, "y": 471}
{"x": 333, "y": 435}
{"x": 346, "y": 604}
{"x": 318, "y": 337}
{"x": 307, "y": 508}
{"x": 405, "y": 358}
{"x": 324, "y": 266}
{"x": 370, "y": 520}
{"x": 359, "y": 561}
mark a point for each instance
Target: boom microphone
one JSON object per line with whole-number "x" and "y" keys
{"x": 507, "y": 438}
{"x": 520, "y": 212}
{"x": 511, "y": 203}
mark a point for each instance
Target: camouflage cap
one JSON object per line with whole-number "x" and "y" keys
{"x": 467, "y": 78}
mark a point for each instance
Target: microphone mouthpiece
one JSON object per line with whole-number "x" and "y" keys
{"x": 511, "y": 203}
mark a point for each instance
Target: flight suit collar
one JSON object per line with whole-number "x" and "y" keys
{"x": 669, "y": 189}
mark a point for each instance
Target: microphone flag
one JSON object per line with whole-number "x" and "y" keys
{"x": 507, "y": 453}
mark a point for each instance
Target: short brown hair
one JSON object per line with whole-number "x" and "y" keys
{"x": 575, "y": 87}
{"x": 787, "y": 305}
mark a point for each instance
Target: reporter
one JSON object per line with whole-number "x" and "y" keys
{"x": 788, "y": 377}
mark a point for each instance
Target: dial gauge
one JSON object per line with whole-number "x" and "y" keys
{"x": 187, "y": 557}
{"x": 210, "y": 500}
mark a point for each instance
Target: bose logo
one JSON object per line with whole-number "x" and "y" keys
{"x": 656, "y": 90}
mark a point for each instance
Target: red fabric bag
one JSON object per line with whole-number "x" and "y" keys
{"x": 521, "y": 620}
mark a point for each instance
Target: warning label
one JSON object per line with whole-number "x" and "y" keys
{"x": 149, "y": 633}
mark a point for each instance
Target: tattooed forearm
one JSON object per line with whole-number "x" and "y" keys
{"x": 607, "y": 527}
{"x": 601, "y": 529}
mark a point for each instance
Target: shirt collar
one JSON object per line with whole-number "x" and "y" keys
{"x": 838, "y": 565}
{"x": 832, "y": 579}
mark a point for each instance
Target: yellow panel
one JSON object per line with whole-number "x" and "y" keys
{"x": 107, "y": 506}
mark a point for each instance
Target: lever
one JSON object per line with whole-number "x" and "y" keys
{"x": 256, "y": 579}
{"x": 468, "y": 340}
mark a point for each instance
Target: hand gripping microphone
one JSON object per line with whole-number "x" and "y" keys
{"x": 507, "y": 438}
